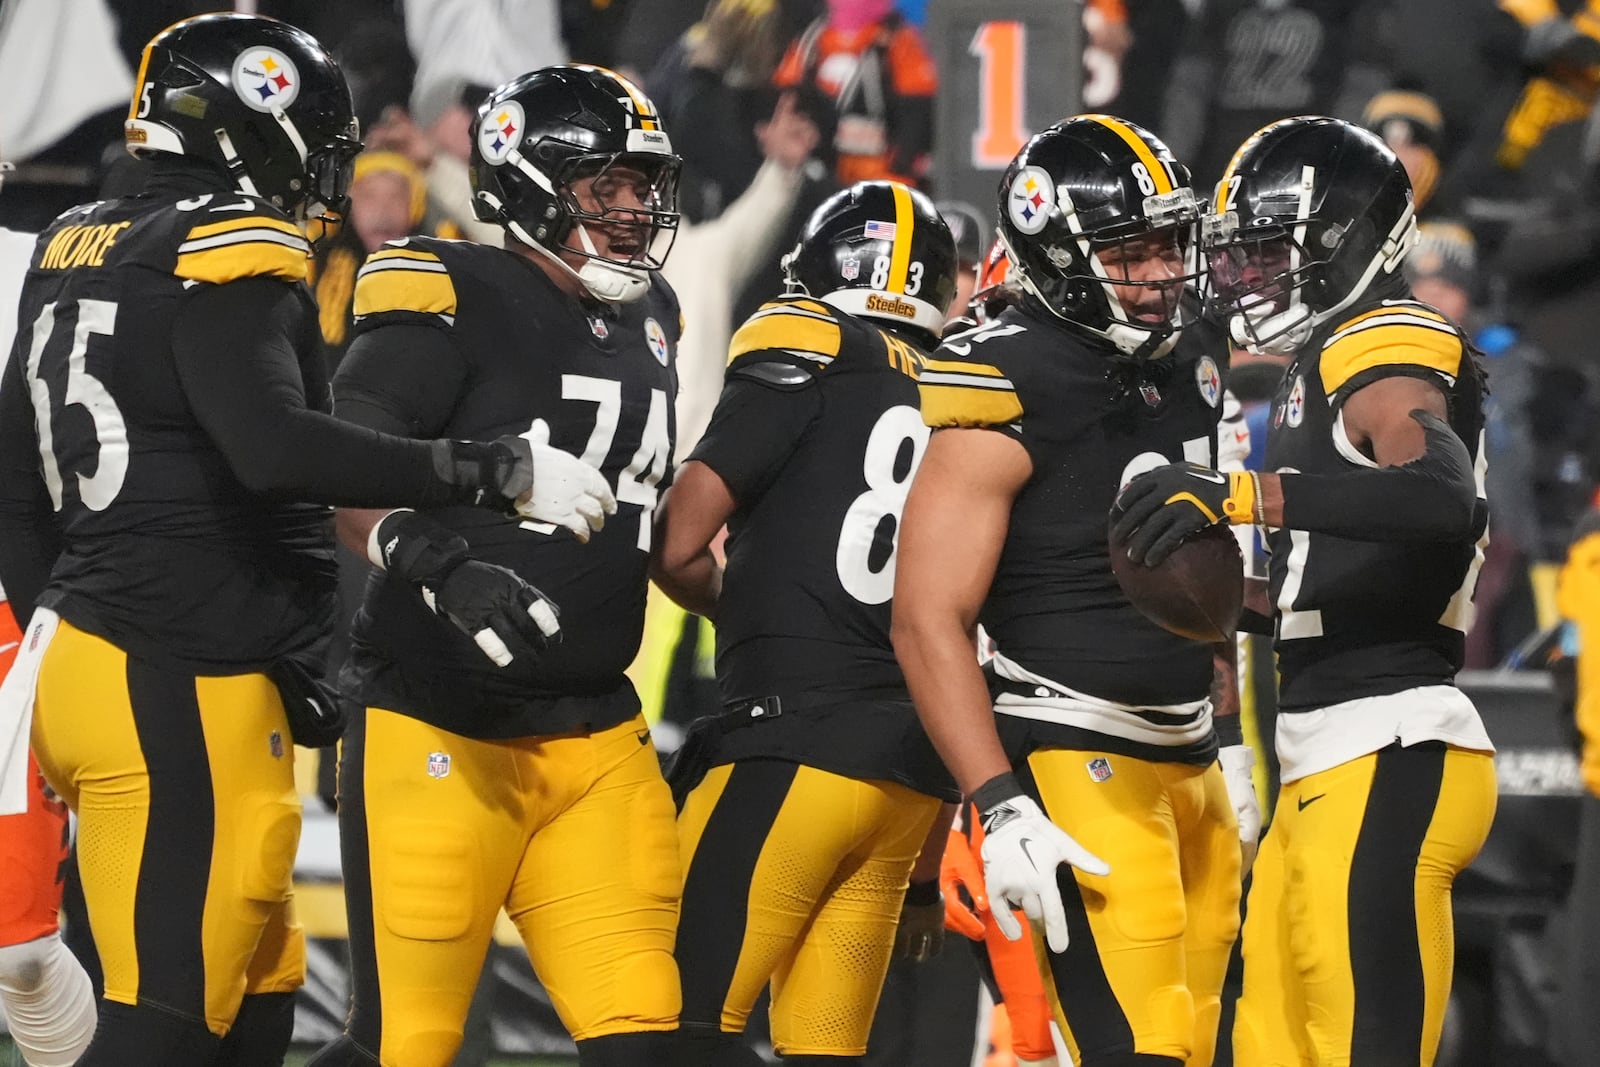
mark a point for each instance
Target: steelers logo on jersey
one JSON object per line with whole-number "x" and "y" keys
{"x": 265, "y": 79}
{"x": 1294, "y": 409}
{"x": 500, "y": 132}
{"x": 656, "y": 338}
{"x": 1209, "y": 380}
{"x": 1031, "y": 197}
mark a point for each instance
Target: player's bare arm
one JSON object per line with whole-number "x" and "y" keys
{"x": 688, "y": 519}
{"x": 954, "y": 526}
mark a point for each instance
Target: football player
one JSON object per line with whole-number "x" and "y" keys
{"x": 1098, "y": 714}
{"x": 163, "y": 422}
{"x": 1376, "y": 519}
{"x": 45, "y": 992}
{"x": 814, "y": 792}
{"x": 486, "y": 772}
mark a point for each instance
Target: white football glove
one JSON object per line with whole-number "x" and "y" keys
{"x": 1237, "y": 761}
{"x": 566, "y": 490}
{"x": 1020, "y": 856}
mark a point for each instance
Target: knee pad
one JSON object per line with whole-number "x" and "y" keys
{"x": 654, "y": 1049}
{"x": 268, "y": 868}
{"x": 23, "y": 967}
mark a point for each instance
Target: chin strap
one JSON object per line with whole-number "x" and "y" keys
{"x": 611, "y": 282}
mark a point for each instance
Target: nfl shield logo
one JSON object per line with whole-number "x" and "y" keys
{"x": 438, "y": 764}
{"x": 850, "y": 269}
{"x": 275, "y": 744}
{"x": 1151, "y": 394}
{"x": 1099, "y": 768}
{"x": 597, "y": 326}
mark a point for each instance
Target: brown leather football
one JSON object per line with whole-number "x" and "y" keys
{"x": 1197, "y": 592}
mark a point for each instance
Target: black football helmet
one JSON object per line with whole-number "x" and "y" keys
{"x": 536, "y": 136}
{"x": 1309, "y": 215}
{"x": 258, "y": 98}
{"x": 879, "y": 250}
{"x": 1095, "y": 184}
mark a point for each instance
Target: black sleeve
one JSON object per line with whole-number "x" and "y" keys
{"x": 753, "y": 430}
{"x": 30, "y": 541}
{"x": 400, "y": 379}
{"x": 237, "y": 360}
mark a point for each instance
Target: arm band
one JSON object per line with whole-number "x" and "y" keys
{"x": 1432, "y": 498}
{"x": 1229, "y": 730}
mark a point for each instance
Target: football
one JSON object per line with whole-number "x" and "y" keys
{"x": 1196, "y": 592}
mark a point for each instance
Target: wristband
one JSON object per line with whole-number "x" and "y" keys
{"x": 996, "y": 791}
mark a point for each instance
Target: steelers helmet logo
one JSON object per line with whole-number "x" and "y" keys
{"x": 265, "y": 79}
{"x": 656, "y": 338}
{"x": 1030, "y": 199}
{"x": 500, "y": 132}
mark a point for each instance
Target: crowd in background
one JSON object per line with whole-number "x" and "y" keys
{"x": 775, "y": 104}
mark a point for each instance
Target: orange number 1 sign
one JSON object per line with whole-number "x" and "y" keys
{"x": 1001, "y": 48}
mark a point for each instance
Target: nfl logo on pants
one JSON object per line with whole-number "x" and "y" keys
{"x": 438, "y": 764}
{"x": 1099, "y": 768}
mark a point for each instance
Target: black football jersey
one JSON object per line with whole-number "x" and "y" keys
{"x": 165, "y": 552}
{"x": 1090, "y": 423}
{"x": 1366, "y": 618}
{"x": 818, "y": 435}
{"x": 604, "y": 380}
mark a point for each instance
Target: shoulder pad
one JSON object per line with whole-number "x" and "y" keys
{"x": 784, "y": 376}
{"x": 236, "y": 236}
{"x": 804, "y": 328}
{"x": 1400, "y": 334}
{"x": 962, "y": 393}
{"x": 400, "y": 277}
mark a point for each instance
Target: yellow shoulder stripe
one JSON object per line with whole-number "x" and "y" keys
{"x": 242, "y": 223}
{"x": 797, "y": 326}
{"x": 1420, "y": 311}
{"x": 247, "y": 246}
{"x": 244, "y": 259}
{"x": 404, "y": 279}
{"x": 1384, "y": 342}
{"x": 967, "y": 394}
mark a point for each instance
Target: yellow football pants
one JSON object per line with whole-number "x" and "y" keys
{"x": 1349, "y": 943}
{"x": 573, "y": 835}
{"x": 188, "y": 823}
{"x": 1150, "y": 941}
{"x": 794, "y": 876}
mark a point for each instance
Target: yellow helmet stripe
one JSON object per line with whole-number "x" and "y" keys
{"x": 1158, "y": 170}
{"x": 144, "y": 68}
{"x": 641, "y": 103}
{"x": 1223, "y": 189}
{"x": 904, "y": 220}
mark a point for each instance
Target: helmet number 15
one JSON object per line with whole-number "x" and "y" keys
{"x": 870, "y": 534}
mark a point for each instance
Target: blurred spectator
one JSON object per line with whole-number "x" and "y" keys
{"x": 591, "y": 28}
{"x": 712, "y": 87}
{"x": 881, "y": 78}
{"x": 1105, "y": 23}
{"x": 388, "y": 201}
{"x": 1246, "y": 63}
{"x": 65, "y": 86}
{"x": 377, "y": 63}
{"x": 971, "y": 231}
{"x": 712, "y": 261}
{"x": 1411, "y": 124}
{"x": 461, "y": 48}
{"x": 652, "y": 26}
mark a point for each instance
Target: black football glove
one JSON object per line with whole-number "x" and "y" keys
{"x": 920, "y": 935}
{"x": 504, "y": 615}
{"x": 1158, "y": 509}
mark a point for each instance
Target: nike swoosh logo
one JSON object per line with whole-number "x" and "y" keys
{"x": 1028, "y": 852}
{"x": 9, "y": 645}
{"x": 1306, "y": 802}
{"x": 1211, "y": 476}
{"x": 644, "y": 738}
